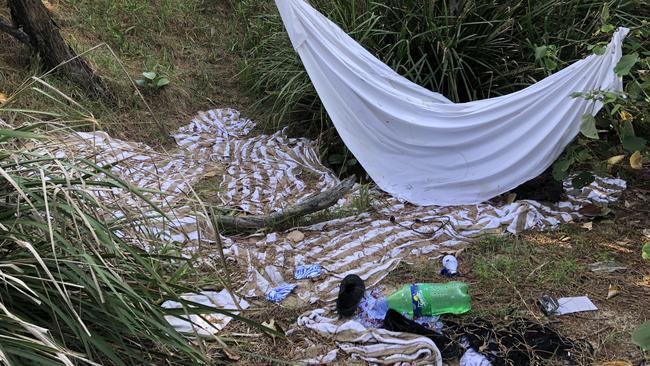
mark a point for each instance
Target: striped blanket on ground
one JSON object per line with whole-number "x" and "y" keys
{"x": 262, "y": 174}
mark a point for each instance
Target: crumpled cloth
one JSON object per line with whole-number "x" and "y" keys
{"x": 370, "y": 245}
{"x": 280, "y": 293}
{"x": 418, "y": 145}
{"x": 376, "y": 346}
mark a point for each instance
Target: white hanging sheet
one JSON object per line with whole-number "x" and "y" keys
{"x": 419, "y": 146}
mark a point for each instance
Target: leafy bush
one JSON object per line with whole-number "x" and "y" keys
{"x": 618, "y": 132}
{"x": 472, "y": 51}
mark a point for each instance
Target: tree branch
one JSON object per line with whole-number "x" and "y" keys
{"x": 310, "y": 205}
{"x": 15, "y": 32}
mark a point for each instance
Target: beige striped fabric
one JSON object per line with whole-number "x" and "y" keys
{"x": 266, "y": 173}
{"x": 263, "y": 173}
{"x": 258, "y": 174}
{"x": 371, "y": 244}
{"x": 375, "y": 346}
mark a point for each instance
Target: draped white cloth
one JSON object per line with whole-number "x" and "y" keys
{"x": 419, "y": 146}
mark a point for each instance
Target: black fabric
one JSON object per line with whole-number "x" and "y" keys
{"x": 543, "y": 188}
{"x": 521, "y": 342}
{"x": 351, "y": 292}
{"x": 396, "y": 322}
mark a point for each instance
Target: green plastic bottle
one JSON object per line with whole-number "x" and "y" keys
{"x": 426, "y": 299}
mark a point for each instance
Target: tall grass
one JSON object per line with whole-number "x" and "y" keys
{"x": 477, "y": 50}
{"x": 76, "y": 287}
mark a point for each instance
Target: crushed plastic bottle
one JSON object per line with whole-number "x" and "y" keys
{"x": 450, "y": 264}
{"x": 426, "y": 299}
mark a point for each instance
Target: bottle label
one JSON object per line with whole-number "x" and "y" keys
{"x": 417, "y": 301}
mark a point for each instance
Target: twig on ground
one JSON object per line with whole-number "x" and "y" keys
{"x": 318, "y": 202}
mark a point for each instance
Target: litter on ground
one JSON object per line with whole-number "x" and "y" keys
{"x": 267, "y": 173}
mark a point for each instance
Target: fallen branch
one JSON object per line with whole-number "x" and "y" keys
{"x": 318, "y": 202}
{"x": 14, "y": 32}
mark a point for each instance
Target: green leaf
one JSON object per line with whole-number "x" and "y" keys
{"x": 550, "y": 64}
{"x": 641, "y": 336}
{"x": 141, "y": 83}
{"x": 559, "y": 175}
{"x": 645, "y": 252}
{"x": 634, "y": 143}
{"x": 564, "y": 165}
{"x": 606, "y": 28}
{"x": 162, "y": 82}
{"x": 604, "y": 14}
{"x": 626, "y": 64}
{"x": 583, "y": 179}
{"x": 150, "y": 75}
{"x": 599, "y": 50}
{"x": 588, "y": 127}
{"x": 583, "y": 155}
{"x": 561, "y": 169}
{"x": 609, "y": 97}
{"x": 4, "y": 134}
{"x": 540, "y": 52}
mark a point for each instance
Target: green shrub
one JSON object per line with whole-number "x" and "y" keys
{"x": 477, "y": 50}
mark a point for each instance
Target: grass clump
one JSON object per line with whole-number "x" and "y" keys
{"x": 187, "y": 41}
{"x": 76, "y": 286}
{"x": 521, "y": 263}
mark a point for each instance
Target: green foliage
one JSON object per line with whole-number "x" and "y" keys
{"x": 546, "y": 56}
{"x": 588, "y": 127}
{"x": 481, "y": 50}
{"x": 646, "y": 251}
{"x": 76, "y": 287}
{"x": 624, "y": 66}
{"x": 152, "y": 80}
{"x": 625, "y": 116}
{"x": 641, "y": 336}
{"x": 575, "y": 154}
{"x": 363, "y": 201}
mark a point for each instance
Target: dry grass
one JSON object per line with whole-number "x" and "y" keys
{"x": 190, "y": 41}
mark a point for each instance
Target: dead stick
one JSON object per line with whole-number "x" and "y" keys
{"x": 310, "y": 205}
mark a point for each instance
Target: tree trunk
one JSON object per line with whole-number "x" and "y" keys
{"x": 34, "y": 19}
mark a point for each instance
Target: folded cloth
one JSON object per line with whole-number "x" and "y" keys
{"x": 280, "y": 293}
{"x": 309, "y": 271}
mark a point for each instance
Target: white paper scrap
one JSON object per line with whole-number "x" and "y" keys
{"x": 569, "y": 305}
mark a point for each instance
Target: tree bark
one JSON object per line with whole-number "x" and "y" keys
{"x": 13, "y": 31}
{"x": 32, "y": 18}
{"x": 310, "y": 205}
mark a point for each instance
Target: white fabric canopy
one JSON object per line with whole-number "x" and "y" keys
{"x": 418, "y": 145}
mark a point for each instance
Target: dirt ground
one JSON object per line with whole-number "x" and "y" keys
{"x": 508, "y": 274}
{"x": 193, "y": 45}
